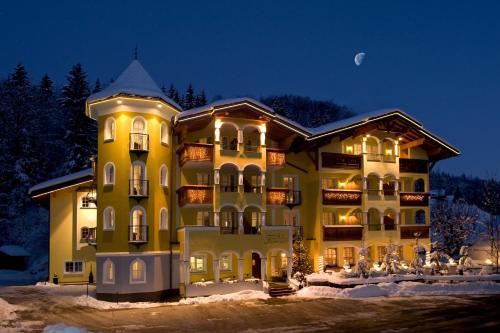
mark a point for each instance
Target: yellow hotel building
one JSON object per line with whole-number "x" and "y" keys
{"x": 209, "y": 200}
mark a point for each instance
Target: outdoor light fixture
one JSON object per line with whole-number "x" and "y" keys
{"x": 159, "y": 106}
{"x": 349, "y": 149}
{"x": 119, "y": 101}
{"x": 488, "y": 262}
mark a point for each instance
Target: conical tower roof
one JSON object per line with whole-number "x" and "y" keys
{"x": 133, "y": 81}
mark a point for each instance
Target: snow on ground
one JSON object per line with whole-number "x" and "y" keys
{"x": 401, "y": 289}
{"x": 8, "y": 312}
{"x": 239, "y": 296}
{"x": 61, "y": 328}
{"x": 91, "y": 302}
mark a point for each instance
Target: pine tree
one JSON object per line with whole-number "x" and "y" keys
{"x": 301, "y": 260}
{"x": 97, "y": 86}
{"x": 189, "y": 98}
{"x": 173, "y": 94}
{"x": 201, "y": 99}
{"x": 81, "y": 134}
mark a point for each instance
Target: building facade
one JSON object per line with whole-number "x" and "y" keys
{"x": 208, "y": 200}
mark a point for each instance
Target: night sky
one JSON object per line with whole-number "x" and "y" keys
{"x": 436, "y": 60}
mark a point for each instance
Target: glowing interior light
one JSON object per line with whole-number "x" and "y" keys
{"x": 349, "y": 149}
{"x": 388, "y": 151}
{"x": 342, "y": 184}
{"x": 400, "y": 139}
{"x": 159, "y": 106}
{"x": 488, "y": 262}
{"x": 119, "y": 101}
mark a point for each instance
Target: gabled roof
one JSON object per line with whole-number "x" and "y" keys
{"x": 134, "y": 81}
{"x": 58, "y": 183}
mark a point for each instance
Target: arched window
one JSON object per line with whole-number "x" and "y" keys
{"x": 139, "y": 125}
{"x": 164, "y": 133}
{"x": 163, "y": 176}
{"x": 138, "y": 182}
{"x": 109, "y": 174}
{"x": 108, "y": 272}
{"x": 138, "y": 231}
{"x": 163, "y": 219}
{"x": 108, "y": 218}
{"x": 420, "y": 217}
{"x": 419, "y": 185}
{"x": 109, "y": 129}
{"x": 137, "y": 271}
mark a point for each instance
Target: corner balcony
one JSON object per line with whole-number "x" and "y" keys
{"x": 196, "y": 154}
{"x": 279, "y": 196}
{"x": 342, "y": 232}
{"x": 412, "y": 231}
{"x": 413, "y": 165}
{"x": 138, "y": 234}
{"x": 194, "y": 195}
{"x": 413, "y": 199}
{"x": 138, "y": 142}
{"x": 342, "y": 197}
{"x": 340, "y": 161}
{"x": 275, "y": 159}
{"x": 138, "y": 188}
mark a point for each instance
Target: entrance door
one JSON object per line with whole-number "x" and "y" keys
{"x": 256, "y": 265}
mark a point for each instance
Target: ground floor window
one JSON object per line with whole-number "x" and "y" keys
{"x": 108, "y": 275}
{"x": 225, "y": 263}
{"x": 203, "y": 218}
{"x": 349, "y": 255}
{"x": 138, "y": 271}
{"x": 198, "y": 264}
{"x": 330, "y": 257}
{"x": 73, "y": 267}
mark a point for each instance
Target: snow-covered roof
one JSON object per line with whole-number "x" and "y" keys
{"x": 133, "y": 81}
{"x": 59, "y": 182}
{"x": 14, "y": 251}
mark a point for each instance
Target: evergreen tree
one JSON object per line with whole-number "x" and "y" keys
{"x": 81, "y": 131}
{"x": 189, "y": 98}
{"x": 201, "y": 99}
{"x": 173, "y": 94}
{"x": 97, "y": 86}
{"x": 301, "y": 261}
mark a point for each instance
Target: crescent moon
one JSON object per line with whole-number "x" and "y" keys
{"x": 358, "y": 59}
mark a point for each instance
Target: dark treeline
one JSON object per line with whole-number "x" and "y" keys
{"x": 187, "y": 101}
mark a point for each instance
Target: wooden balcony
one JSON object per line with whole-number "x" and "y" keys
{"x": 342, "y": 197}
{"x": 275, "y": 158}
{"x": 195, "y": 195}
{"x": 413, "y": 199}
{"x": 340, "y": 161}
{"x": 342, "y": 232}
{"x": 276, "y": 195}
{"x": 410, "y": 231}
{"x": 191, "y": 154}
{"x": 413, "y": 165}
{"x": 138, "y": 142}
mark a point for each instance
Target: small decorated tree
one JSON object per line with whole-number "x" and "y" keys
{"x": 301, "y": 262}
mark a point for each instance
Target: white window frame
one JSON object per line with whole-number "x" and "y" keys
{"x": 109, "y": 181}
{"x": 108, "y": 224}
{"x": 204, "y": 262}
{"x": 164, "y": 180}
{"x": 145, "y": 130}
{"x": 230, "y": 263}
{"x": 131, "y": 280}
{"x": 109, "y": 133}
{"x": 108, "y": 263}
{"x": 164, "y": 225}
{"x": 164, "y": 136}
{"x": 73, "y": 272}
{"x": 144, "y": 220}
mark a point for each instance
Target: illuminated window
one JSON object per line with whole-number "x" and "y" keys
{"x": 164, "y": 176}
{"x": 109, "y": 174}
{"x": 137, "y": 271}
{"x": 203, "y": 218}
{"x": 164, "y": 133}
{"x": 330, "y": 257}
{"x": 85, "y": 233}
{"x": 109, "y": 130}
{"x": 329, "y": 183}
{"x": 198, "y": 264}
{"x": 381, "y": 251}
{"x": 108, "y": 218}
{"x": 73, "y": 267}
{"x": 328, "y": 218}
{"x": 163, "y": 219}
{"x": 225, "y": 263}
{"x": 284, "y": 260}
{"x": 108, "y": 269}
{"x": 349, "y": 255}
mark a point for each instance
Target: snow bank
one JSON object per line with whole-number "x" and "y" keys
{"x": 61, "y": 328}
{"x": 91, "y": 302}
{"x": 239, "y": 296}
{"x": 8, "y": 311}
{"x": 401, "y": 289}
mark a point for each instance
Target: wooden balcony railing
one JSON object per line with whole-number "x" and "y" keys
{"x": 342, "y": 232}
{"x": 411, "y": 231}
{"x": 276, "y": 195}
{"x": 340, "y": 161}
{"x": 195, "y": 195}
{"x": 413, "y": 165}
{"x": 342, "y": 197}
{"x": 275, "y": 158}
{"x": 413, "y": 199}
{"x": 195, "y": 152}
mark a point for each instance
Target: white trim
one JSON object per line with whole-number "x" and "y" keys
{"x": 230, "y": 268}
{"x": 73, "y": 273}
{"x": 161, "y": 227}
{"x": 145, "y": 131}
{"x": 166, "y": 142}
{"x": 204, "y": 257}
{"x": 144, "y": 217}
{"x": 105, "y": 183}
{"x": 112, "y": 137}
{"x": 144, "y": 269}
{"x": 134, "y": 254}
{"x": 164, "y": 181}
{"x": 104, "y": 219}
{"x": 105, "y": 273}
{"x": 140, "y": 162}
